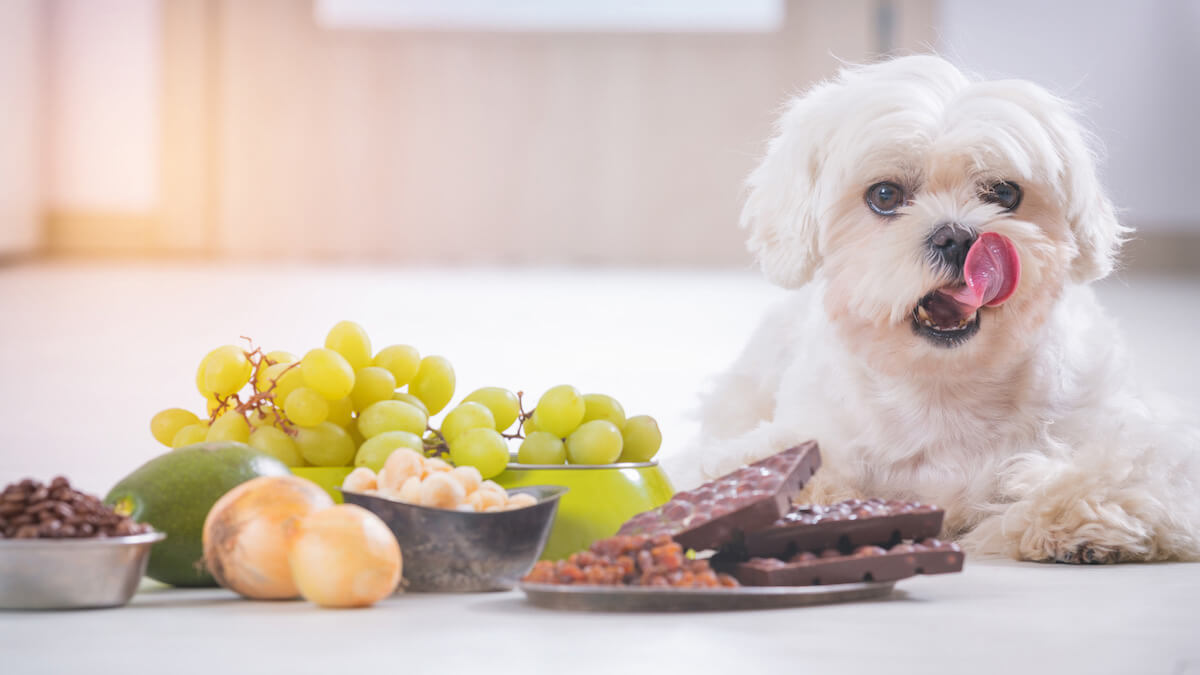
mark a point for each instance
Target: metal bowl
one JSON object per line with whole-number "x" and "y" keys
{"x": 72, "y": 573}
{"x": 601, "y": 498}
{"x": 460, "y": 551}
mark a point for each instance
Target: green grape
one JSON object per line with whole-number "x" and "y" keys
{"x": 275, "y": 358}
{"x": 603, "y": 407}
{"x": 390, "y": 416}
{"x": 504, "y": 404}
{"x": 642, "y": 439}
{"x": 595, "y": 442}
{"x": 375, "y": 450}
{"x": 286, "y": 376}
{"x": 341, "y": 412}
{"x": 350, "y": 340}
{"x": 211, "y": 405}
{"x": 433, "y": 383}
{"x": 278, "y": 444}
{"x": 166, "y": 423}
{"x": 401, "y": 360}
{"x": 190, "y": 435}
{"x": 306, "y": 407}
{"x": 200, "y": 385}
{"x": 328, "y": 372}
{"x": 265, "y": 415}
{"x": 226, "y": 370}
{"x": 280, "y": 356}
{"x": 325, "y": 444}
{"x": 356, "y": 435}
{"x": 372, "y": 384}
{"x": 468, "y": 415}
{"x": 560, "y": 410}
{"x": 528, "y": 426}
{"x": 540, "y": 447}
{"x": 483, "y": 449}
{"x": 230, "y": 426}
{"x": 411, "y": 400}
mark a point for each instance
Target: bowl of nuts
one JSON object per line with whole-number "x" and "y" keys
{"x": 456, "y": 531}
{"x": 63, "y": 549}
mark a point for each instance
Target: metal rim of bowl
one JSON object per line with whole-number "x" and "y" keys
{"x": 74, "y": 542}
{"x": 558, "y": 490}
{"x": 517, "y": 466}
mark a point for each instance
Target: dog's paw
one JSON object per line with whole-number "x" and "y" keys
{"x": 1087, "y": 554}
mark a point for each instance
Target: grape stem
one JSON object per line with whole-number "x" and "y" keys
{"x": 439, "y": 447}
{"x": 521, "y": 417}
{"x": 260, "y": 398}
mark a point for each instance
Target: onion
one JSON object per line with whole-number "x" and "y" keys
{"x": 247, "y": 533}
{"x": 345, "y": 556}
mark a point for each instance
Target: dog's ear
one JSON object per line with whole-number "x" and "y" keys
{"x": 780, "y": 213}
{"x": 1093, "y": 220}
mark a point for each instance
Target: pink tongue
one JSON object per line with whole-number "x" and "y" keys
{"x": 992, "y": 270}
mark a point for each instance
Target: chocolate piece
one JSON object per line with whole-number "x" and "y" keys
{"x": 750, "y": 498}
{"x": 903, "y": 560}
{"x": 844, "y": 526}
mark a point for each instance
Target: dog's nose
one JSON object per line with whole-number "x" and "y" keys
{"x": 951, "y": 243}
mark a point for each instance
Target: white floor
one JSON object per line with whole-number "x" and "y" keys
{"x": 88, "y": 352}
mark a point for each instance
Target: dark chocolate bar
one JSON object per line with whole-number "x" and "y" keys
{"x": 844, "y": 526}
{"x": 867, "y": 563}
{"x": 750, "y": 498}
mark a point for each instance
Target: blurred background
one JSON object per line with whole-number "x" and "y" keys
{"x": 542, "y": 191}
{"x": 465, "y": 131}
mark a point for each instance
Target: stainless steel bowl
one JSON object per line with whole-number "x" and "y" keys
{"x": 462, "y": 551}
{"x": 72, "y": 573}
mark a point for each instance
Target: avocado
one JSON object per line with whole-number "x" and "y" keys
{"x": 174, "y": 492}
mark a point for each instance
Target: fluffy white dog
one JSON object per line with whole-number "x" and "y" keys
{"x": 943, "y": 344}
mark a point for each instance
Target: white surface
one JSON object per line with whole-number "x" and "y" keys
{"x": 1133, "y": 67}
{"x": 89, "y": 352}
{"x": 995, "y": 617}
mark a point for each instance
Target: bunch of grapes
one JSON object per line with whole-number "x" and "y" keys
{"x": 565, "y": 426}
{"x": 339, "y": 405}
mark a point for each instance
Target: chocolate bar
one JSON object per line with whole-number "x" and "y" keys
{"x": 747, "y": 499}
{"x": 866, "y": 563}
{"x": 844, "y": 526}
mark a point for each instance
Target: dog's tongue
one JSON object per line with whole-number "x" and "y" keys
{"x": 991, "y": 270}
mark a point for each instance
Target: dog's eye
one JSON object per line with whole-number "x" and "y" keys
{"x": 884, "y": 198}
{"x": 1004, "y": 194}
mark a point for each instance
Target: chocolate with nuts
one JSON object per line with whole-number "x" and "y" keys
{"x": 747, "y": 499}
{"x": 866, "y": 563}
{"x": 846, "y": 526}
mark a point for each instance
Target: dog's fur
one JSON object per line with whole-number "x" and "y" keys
{"x": 1031, "y": 434}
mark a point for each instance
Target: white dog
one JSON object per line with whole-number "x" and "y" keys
{"x": 943, "y": 344}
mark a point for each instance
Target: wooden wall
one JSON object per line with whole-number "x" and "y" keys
{"x": 286, "y": 139}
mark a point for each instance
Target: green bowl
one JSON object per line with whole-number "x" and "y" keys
{"x": 328, "y": 477}
{"x": 600, "y": 498}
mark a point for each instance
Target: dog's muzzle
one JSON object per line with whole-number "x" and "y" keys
{"x": 949, "y": 245}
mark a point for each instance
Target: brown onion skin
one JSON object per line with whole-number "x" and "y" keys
{"x": 345, "y": 556}
{"x": 248, "y": 533}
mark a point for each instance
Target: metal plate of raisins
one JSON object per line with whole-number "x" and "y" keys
{"x": 659, "y": 599}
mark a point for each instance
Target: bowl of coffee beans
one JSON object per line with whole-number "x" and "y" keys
{"x": 64, "y": 549}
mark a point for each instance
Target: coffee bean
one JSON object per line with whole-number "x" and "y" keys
{"x": 30, "y": 509}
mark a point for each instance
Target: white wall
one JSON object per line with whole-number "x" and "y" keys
{"x": 103, "y": 104}
{"x": 1134, "y": 64}
{"x": 19, "y": 42}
